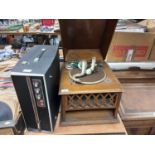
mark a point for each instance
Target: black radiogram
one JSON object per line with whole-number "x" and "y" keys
{"x": 36, "y": 81}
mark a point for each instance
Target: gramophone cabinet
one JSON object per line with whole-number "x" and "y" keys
{"x": 88, "y": 104}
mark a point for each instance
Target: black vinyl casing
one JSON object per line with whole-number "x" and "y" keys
{"x": 36, "y": 81}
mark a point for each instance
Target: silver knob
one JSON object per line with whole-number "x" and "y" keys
{"x": 38, "y": 97}
{"x": 37, "y": 90}
{"x": 35, "y": 84}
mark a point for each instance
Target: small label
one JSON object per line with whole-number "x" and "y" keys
{"x": 64, "y": 90}
{"x": 129, "y": 55}
{"x": 6, "y": 123}
{"x": 27, "y": 70}
{"x": 108, "y": 80}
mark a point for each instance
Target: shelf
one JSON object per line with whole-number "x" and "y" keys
{"x": 35, "y": 32}
{"x": 20, "y": 32}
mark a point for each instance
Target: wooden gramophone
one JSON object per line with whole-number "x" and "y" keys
{"x": 90, "y": 98}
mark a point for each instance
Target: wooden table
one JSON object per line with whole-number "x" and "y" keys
{"x": 137, "y": 108}
{"x": 103, "y": 129}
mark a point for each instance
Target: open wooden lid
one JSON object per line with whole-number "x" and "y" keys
{"x": 87, "y": 34}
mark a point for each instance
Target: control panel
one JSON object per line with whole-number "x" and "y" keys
{"x": 38, "y": 92}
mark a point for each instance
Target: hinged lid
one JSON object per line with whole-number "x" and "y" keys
{"x": 87, "y": 34}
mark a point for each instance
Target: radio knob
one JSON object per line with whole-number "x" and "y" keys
{"x": 37, "y": 90}
{"x": 38, "y": 97}
{"x": 35, "y": 84}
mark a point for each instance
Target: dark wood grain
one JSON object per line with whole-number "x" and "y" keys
{"x": 137, "y": 108}
{"x": 87, "y": 34}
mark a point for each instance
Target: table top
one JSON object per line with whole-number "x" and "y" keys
{"x": 137, "y": 102}
{"x": 113, "y": 128}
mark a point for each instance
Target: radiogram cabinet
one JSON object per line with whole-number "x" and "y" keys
{"x": 88, "y": 103}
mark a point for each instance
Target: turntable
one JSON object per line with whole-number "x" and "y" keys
{"x": 90, "y": 92}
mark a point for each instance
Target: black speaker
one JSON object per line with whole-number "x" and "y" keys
{"x": 36, "y": 81}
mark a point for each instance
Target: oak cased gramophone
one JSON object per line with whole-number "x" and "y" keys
{"x": 90, "y": 92}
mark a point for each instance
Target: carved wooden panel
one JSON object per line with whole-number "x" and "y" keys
{"x": 91, "y": 101}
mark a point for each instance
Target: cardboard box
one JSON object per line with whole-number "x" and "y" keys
{"x": 130, "y": 46}
{"x": 152, "y": 53}
{"x": 149, "y": 23}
